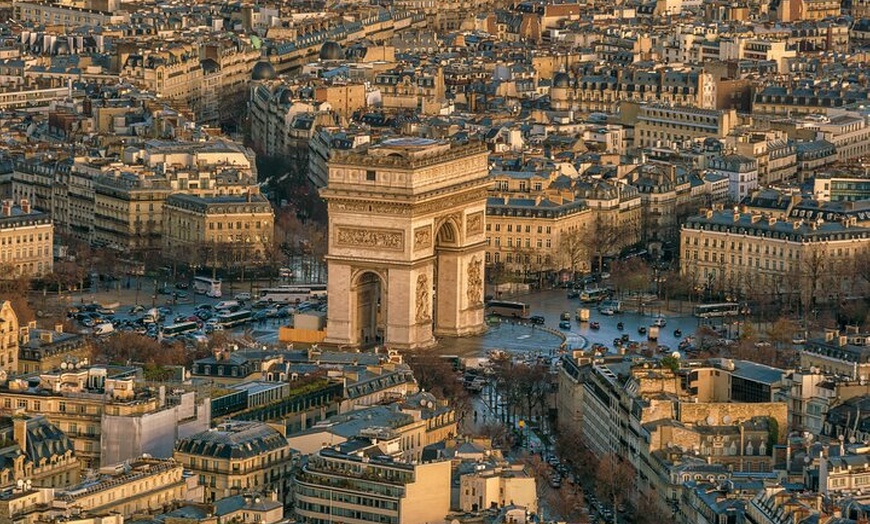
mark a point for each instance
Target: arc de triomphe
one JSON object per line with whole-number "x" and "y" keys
{"x": 406, "y": 243}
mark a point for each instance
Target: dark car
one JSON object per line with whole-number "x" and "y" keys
{"x": 565, "y": 324}
{"x": 182, "y": 285}
{"x": 537, "y": 319}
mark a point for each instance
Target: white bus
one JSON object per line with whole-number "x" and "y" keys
{"x": 228, "y": 320}
{"x": 293, "y": 294}
{"x": 207, "y": 286}
{"x": 725, "y": 309}
{"x": 179, "y": 329}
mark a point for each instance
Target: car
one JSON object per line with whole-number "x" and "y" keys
{"x": 565, "y": 324}
{"x": 660, "y": 322}
{"x": 537, "y": 319}
{"x": 594, "y": 325}
{"x": 242, "y": 297}
{"x": 181, "y": 285}
{"x": 566, "y": 315}
{"x": 607, "y": 311}
{"x": 259, "y": 315}
{"x": 574, "y": 293}
{"x": 179, "y": 295}
{"x": 164, "y": 291}
{"x": 204, "y": 307}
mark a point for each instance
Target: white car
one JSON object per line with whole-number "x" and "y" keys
{"x": 660, "y": 322}
{"x": 242, "y": 296}
{"x": 608, "y": 311}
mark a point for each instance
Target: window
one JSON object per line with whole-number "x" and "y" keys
{"x": 370, "y": 175}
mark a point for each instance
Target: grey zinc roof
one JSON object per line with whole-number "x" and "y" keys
{"x": 757, "y": 372}
{"x": 234, "y": 439}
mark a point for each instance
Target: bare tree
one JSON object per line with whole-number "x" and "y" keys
{"x": 614, "y": 480}
{"x": 573, "y": 249}
{"x": 602, "y": 238}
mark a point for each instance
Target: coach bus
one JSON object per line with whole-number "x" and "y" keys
{"x": 229, "y": 320}
{"x": 725, "y": 309}
{"x": 179, "y": 329}
{"x": 504, "y": 308}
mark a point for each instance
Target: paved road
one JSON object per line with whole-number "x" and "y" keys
{"x": 552, "y": 303}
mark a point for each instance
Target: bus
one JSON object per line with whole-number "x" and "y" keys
{"x": 179, "y": 329}
{"x": 593, "y": 295}
{"x": 293, "y": 294}
{"x": 228, "y": 320}
{"x": 504, "y": 308}
{"x": 725, "y": 309}
{"x": 207, "y": 286}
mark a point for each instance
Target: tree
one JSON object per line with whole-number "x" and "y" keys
{"x": 650, "y": 512}
{"x": 632, "y": 275}
{"x": 435, "y": 375}
{"x": 573, "y": 249}
{"x": 602, "y": 238}
{"x": 614, "y": 480}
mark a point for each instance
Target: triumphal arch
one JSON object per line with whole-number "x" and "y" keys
{"x": 406, "y": 243}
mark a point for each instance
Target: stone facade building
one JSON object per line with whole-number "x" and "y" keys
{"x": 26, "y": 238}
{"x": 238, "y": 457}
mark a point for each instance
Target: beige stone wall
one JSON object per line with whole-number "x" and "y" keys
{"x": 427, "y": 499}
{"x": 698, "y": 413}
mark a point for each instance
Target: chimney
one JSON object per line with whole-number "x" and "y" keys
{"x": 737, "y": 217}
{"x": 58, "y": 328}
{"x": 830, "y": 334}
{"x": 19, "y": 431}
{"x": 841, "y": 340}
{"x": 797, "y": 224}
{"x": 771, "y": 221}
{"x": 25, "y": 206}
{"x": 7, "y": 208}
{"x": 755, "y": 218}
{"x": 709, "y": 213}
{"x": 46, "y": 336}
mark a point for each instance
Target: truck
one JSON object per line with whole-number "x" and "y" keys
{"x": 582, "y": 314}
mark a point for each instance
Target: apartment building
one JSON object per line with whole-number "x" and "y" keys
{"x": 238, "y": 457}
{"x": 236, "y": 229}
{"x": 45, "y": 13}
{"x": 846, "y": 354}
{"x": 44, "y": 350}
{"x": 36, "y": 451}
{"x": 835, "y": 186}
{"x": 499, "y": 487}
{"x": 659, "y": 125}
{"x": 674, "y": 424}
{"x": 525, "y": 235}
{"x": 354, "y": 481}
{"x": 119, "y": 202}
{"x": 600, "y": 88}
{"x": 104, "y": 413}
{"x": 775, "y": 99}
{"x": 26, "y": 239}
{"x": 142, "y": 485}
{"x": 849, "y": 133}
{"x": 775, "y": 155}
{"x": 9, "y": 337}
{"x": 741, "y": 171}
{"x": 730, "y": 251}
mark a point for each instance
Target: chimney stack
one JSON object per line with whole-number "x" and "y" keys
{"x": 7, "y": 208}
{"x": 25, "y": 206}
{"x": 19, "y": 431}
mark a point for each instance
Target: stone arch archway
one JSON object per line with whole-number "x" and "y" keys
{"x": 412, "y": 212}
{"x": 370, "y": 307}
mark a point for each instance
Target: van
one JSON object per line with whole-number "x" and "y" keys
{"x": 226, "y": 304}
{"x": 104, "y": 329}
